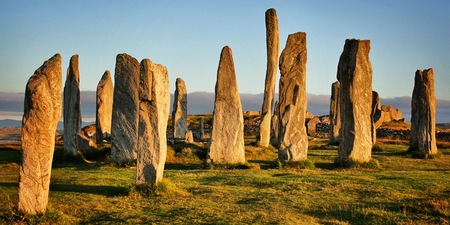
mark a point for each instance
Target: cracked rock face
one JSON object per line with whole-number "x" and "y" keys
{"x": 227, "y": 136}
{"x": 104, "y": 103}
{"x": 72, "y": 107}
{"x": 42, "y": 111}
{"x": 179, "y": 113}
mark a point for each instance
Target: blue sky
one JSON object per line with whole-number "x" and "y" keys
{"x": 187, "y": 37}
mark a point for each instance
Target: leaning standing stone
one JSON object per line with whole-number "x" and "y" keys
{"x": 227, "y": 136}
{"x": 423, "y": 114}
{"x": 292, "y": 134}
{"x": 125, "y": 114}
{"x": 72, "y": 107}
{"x": 273, "y": 43}
{"x": 355, "y": 75}
{"x": 179, "y": 113}
{"x": 105, "y": 93}
{"x": 154, "y": 103}
{"x": 42, "y": 112}
{"x": 335, "y": 114}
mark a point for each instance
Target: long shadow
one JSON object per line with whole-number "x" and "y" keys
{"x": 9, "y": 184}
{"x": 9, "y": 156}
{"x": 183, "y": 166}
{"x": 109, "y": 191}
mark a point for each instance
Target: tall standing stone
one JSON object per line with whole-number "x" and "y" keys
{"x": 355, "y": 75}
{"x": 274, "y": 127}
{"x": 227, "y": 136}
{"x": 125, "y": 114}
{"x": 72, "y": 107}
{"x": 104, "y": 104}
{"x": 375, "y": 115}
{"x": 272, "y": 43}
{"x": 292, "y": 103}
{"x": 154, "y": 103}
{"x": 335, "y": 114}
{"x": 179, "y": 113}
{"x": 42, "y": 111}
{"x": 202, "y": 129}
{"x": 423, "y": 114}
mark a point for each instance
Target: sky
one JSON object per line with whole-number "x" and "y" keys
{"x": 187, "y": 37}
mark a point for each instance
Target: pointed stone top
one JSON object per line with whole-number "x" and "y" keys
{"x": 50, "y": 64}
{"x": 271, "y": 12}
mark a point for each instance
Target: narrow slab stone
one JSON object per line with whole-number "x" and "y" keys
{"x": 125, "y": 114}
{"x": 423, "y": 114}
{"x": 42, "y": 111}
{"x": 72, "y": 107}
{"x": 355, "y": 75}
{"x": 335, "y": 114}
{"x": 292, "y": 104}
{"x": 179, "y": 113}
{"x": 104, "y": 104}
{"x": 272, "y": 43}
{"x": 227, "y": 136}
{"x": 202, "y": 129}
{"x": 375, "y": 115}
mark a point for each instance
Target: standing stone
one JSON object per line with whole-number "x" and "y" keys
{"x": 272, "y": 43}
{"x": 335, "y": 114}
{"x": 202, "y": 129}
{"x": 423, "y": 114}
{"x": 355, "y": 75}
{"x": 292, "y": 104}
{"x": 189, "y": 137}
{"x": 179, "y": 113}
{"x": 154, "y": 103}
{"x": 274, "y": 127}
{"x": 227, "y": 136}
{"x": 375, "y": 115}
{"x": 42, "y": 112}
{"x": 125, "y": 114}
{"x": 72, "y": 110}
{"x": 104, "y": 104}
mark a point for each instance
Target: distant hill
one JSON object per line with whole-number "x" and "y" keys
{"x": 10, "y": 123}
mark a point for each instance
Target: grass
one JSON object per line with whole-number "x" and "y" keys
{"x": 402, "y": 190}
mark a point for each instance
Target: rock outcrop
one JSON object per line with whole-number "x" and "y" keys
{"x": 72, "y": 107}
{"x": 272, "y": 43}
{"x": 125, "y": 113}
{"x": 311, "y": 124}
{"x": 355, "y": 76}
{"x": 42, "y": 111}
{"x": 335, "y": 114}
{"x": 423, "y": 114}
{"x": 104, "y": 104}
{"x": 179, "y": 113}
{"x": 227, "y": 136}
{"x": 154, "y": 103}
{"x": 292, "y": 134}
{"x": 389, "y": 113}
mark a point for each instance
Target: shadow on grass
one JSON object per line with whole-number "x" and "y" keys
{"x": 9, "y": 184}
{"x": 183, "y": 166}
{"x": 9, "y": 156}
{"x": 108, "y": 191}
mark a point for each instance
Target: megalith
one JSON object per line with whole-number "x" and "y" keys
{"x": 274, "y": 127}
{"x": 355, "y": 76}
{"x": 226, "y": 144}
{"x": 42, "y": 111}
{"x": 272, "y": 43}
{"x": 104, "y": 104}
{"x": 154, "y": 100}
{"x": 335, "y": 118}
{"x": 292, "y": 134}
{"x": 179, "y": 113}
{"x": 125, "y": 113}
{"x": 375, "y": 115}
{"x": 423, "y": 114}
{"x": 202, "y": 129}
{"x": 72, "y": 107}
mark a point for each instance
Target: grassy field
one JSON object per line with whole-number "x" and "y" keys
{"x": 403, "y": 190}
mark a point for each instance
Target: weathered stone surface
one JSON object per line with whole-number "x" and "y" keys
{"x": 292, "y": 104}
{"x": 423, "y": 114}
{"x": 389, "y": 113}
{"x": 179, "y": 113}
{"x": 272, "y": 43}
{"x": 154, "y": 103}
{"x": 355, "y": 75}
{"x": 42, "y": 112}
{"x": 125, "y": 113}
{"x": 335, "y": 114}
{"x": 104, "y": 104}
{"x": 189, "y": 137}
{"x": 227, "y": 136}
{"x": 312, "y": 123}
{"x": 375, "y": 115}
{"x": 72, "y": 107}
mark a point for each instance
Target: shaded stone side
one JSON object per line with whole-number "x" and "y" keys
{"x": 72, "y": 107}
{"x": 423, "y": 114}
{"x": 104, "y": 104}
{"x": 335, "y": 114}
{"x": 42, "y": 111}
{"x": 292, "y": 134}
{"x": 375, "y": 115}
{"x": 355, "y": 75}
{"x": 125, "y": 113}
{"x": 272, "y": 43}
{"x": 154, "y": 99}
{"x": 227, "y": 136}
{"x": 179, "y": 113}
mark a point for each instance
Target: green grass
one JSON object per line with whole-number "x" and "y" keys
{"x": 402, "y": 190}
